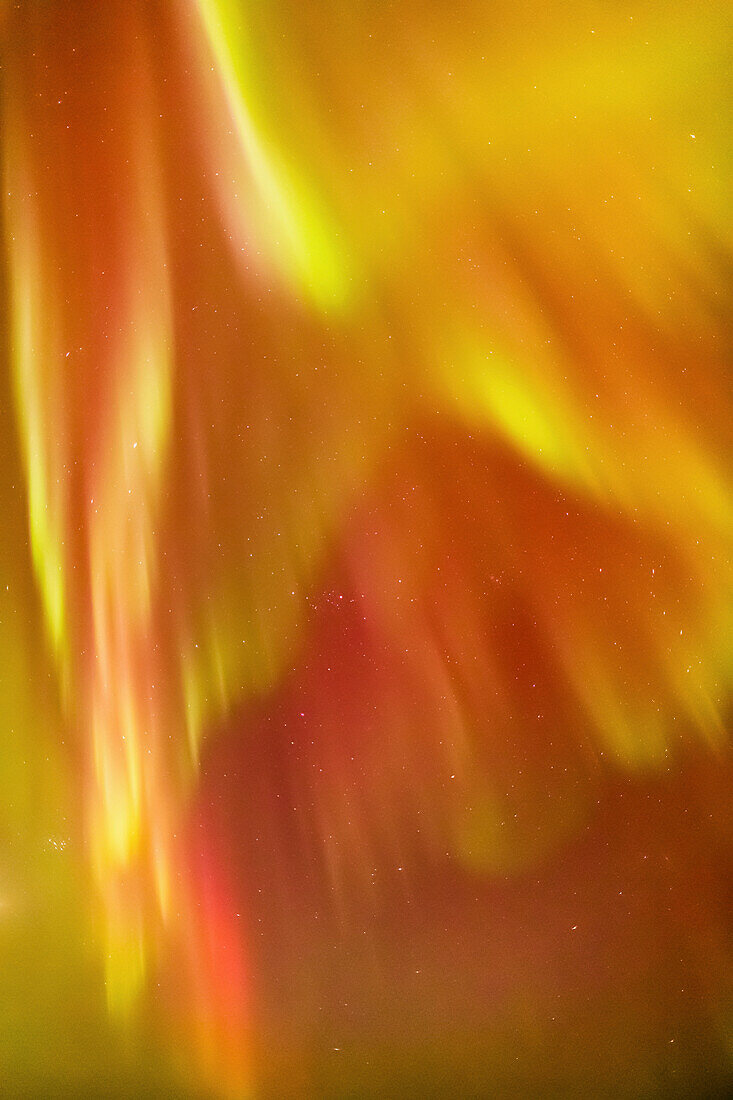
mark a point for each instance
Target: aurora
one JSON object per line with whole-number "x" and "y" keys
{"x": 366, "y": 607}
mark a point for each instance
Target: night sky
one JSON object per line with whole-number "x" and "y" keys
{"x": 366, "y": 566}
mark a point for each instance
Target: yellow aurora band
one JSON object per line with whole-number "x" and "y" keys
{"x": 280, "y": 278}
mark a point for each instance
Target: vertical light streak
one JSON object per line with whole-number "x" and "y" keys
{"x": 290, "y": 219}
{"x": 92, "y": 361}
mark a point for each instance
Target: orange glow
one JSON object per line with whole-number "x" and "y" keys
{"x": 364, "y": 645}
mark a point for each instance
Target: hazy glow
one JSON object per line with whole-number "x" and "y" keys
{"x": 366, "y": 466}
